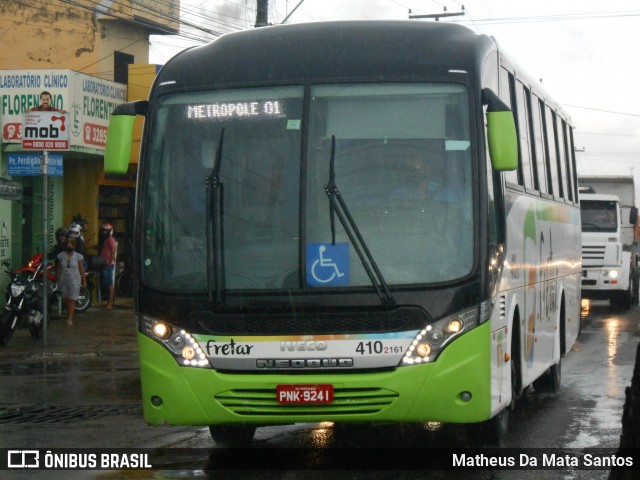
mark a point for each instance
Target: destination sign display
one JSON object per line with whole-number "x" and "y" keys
{"x": 254, "y": 108}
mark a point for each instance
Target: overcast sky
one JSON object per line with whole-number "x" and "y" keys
{"x": 585, "y": 52}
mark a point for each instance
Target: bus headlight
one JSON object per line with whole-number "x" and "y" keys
{"x": 434, "y": 338}
{"x": 613, "y": 274}
{"x": 182, "y": 345}
{"x": 161, "y": 330}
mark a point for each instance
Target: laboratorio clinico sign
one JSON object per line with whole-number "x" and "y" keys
{"x": 87, "y": 101}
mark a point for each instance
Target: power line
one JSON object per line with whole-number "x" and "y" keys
{"x": 578, "y": 132}
{"x": 601, "y": 110}
{"x": 556, "y": 18}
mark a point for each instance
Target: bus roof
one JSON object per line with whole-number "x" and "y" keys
{"x": 326, "y": 52}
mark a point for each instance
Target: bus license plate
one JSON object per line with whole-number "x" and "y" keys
{"x": 302, "y": 394}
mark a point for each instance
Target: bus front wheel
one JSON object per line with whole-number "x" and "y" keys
{"x": 233, "y": 435}
{"x": 491, "y": 432}
{"x": 550, "y": 381}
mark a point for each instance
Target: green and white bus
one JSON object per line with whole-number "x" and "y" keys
{"x": 349, "y": 222}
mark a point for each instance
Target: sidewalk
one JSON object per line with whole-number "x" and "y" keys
{"x": 95, "y": 333}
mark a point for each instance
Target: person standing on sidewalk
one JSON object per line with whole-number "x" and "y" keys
{"x": 108, "y": 250}
{"x": 70, "y": 276}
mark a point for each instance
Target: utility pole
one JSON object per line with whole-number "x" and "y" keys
{"x": 262, "y": 11}
{"x": 438, "y": 16}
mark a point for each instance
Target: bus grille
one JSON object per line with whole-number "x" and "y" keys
{"x": 346, "y": 401}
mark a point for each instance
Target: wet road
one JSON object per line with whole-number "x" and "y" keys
{"x": 67, "y": 396}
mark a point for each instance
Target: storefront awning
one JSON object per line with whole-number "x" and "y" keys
{"x": 10, "y": 190}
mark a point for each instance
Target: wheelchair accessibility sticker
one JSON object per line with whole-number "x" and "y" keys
{"x": 327, "y": 264}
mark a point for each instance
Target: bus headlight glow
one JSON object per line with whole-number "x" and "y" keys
{"x": 424, "y": 350}
{"x": 431, "y": 340}
{"x": 180, "y": 343}
{"x": 454, "y": 326}
{"x": 613, "y": 274}
{"x": 161, "y": 330}
{"x": 188, "y": 352}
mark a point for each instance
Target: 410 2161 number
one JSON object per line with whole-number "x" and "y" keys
{"x": 377, "y": 348}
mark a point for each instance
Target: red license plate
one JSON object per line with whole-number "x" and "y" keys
{"x": 302, "y": 394}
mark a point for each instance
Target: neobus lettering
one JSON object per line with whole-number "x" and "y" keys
{"x": 304, "y": 363}
{"x": 231, "y": 348}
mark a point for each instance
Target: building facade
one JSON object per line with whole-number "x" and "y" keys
{"x": 91, "y": 55}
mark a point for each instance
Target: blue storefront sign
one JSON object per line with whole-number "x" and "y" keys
{"x": 30, "y": 165}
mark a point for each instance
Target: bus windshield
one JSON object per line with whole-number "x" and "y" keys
{"x": 402, "y": 162}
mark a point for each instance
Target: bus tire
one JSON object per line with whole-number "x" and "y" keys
{"x": 493, "y": 431}
{"x": 550, "y": 381}
{"x": 233, "y": 435}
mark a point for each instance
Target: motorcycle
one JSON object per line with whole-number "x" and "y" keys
{"x": 24, "y": 296}
{"x": 24, "y": 299}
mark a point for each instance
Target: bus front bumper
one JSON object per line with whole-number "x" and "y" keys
{"x": 456, "y": 388}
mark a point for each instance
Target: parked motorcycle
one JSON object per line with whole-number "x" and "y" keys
{"x": 24, "y": 299}
{"x": 24, "y": 296}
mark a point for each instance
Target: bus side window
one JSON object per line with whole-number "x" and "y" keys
{"x": 515, "y": 176}
{"x": 537, "y": 107}
{"x": 562, "y": 160}
{"x": 528, "y": 120}
{"x": 572, "y": 163}
{"x": 550, "y": 148}
{"x": 522, "y": 126}
{"x": 558, "y": 137}
{"x": 567, "y": 162}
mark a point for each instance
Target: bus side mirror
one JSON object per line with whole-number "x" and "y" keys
{"x": 501, "y": 133}
{"x": 120, "y": 136}
{"x": 633, "y": 215}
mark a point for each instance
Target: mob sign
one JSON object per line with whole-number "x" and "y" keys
{"x": 45, "y": 131}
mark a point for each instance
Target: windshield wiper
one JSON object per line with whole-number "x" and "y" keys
{"x": 337, "y": 206}
{"x": 215, "y": 237}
